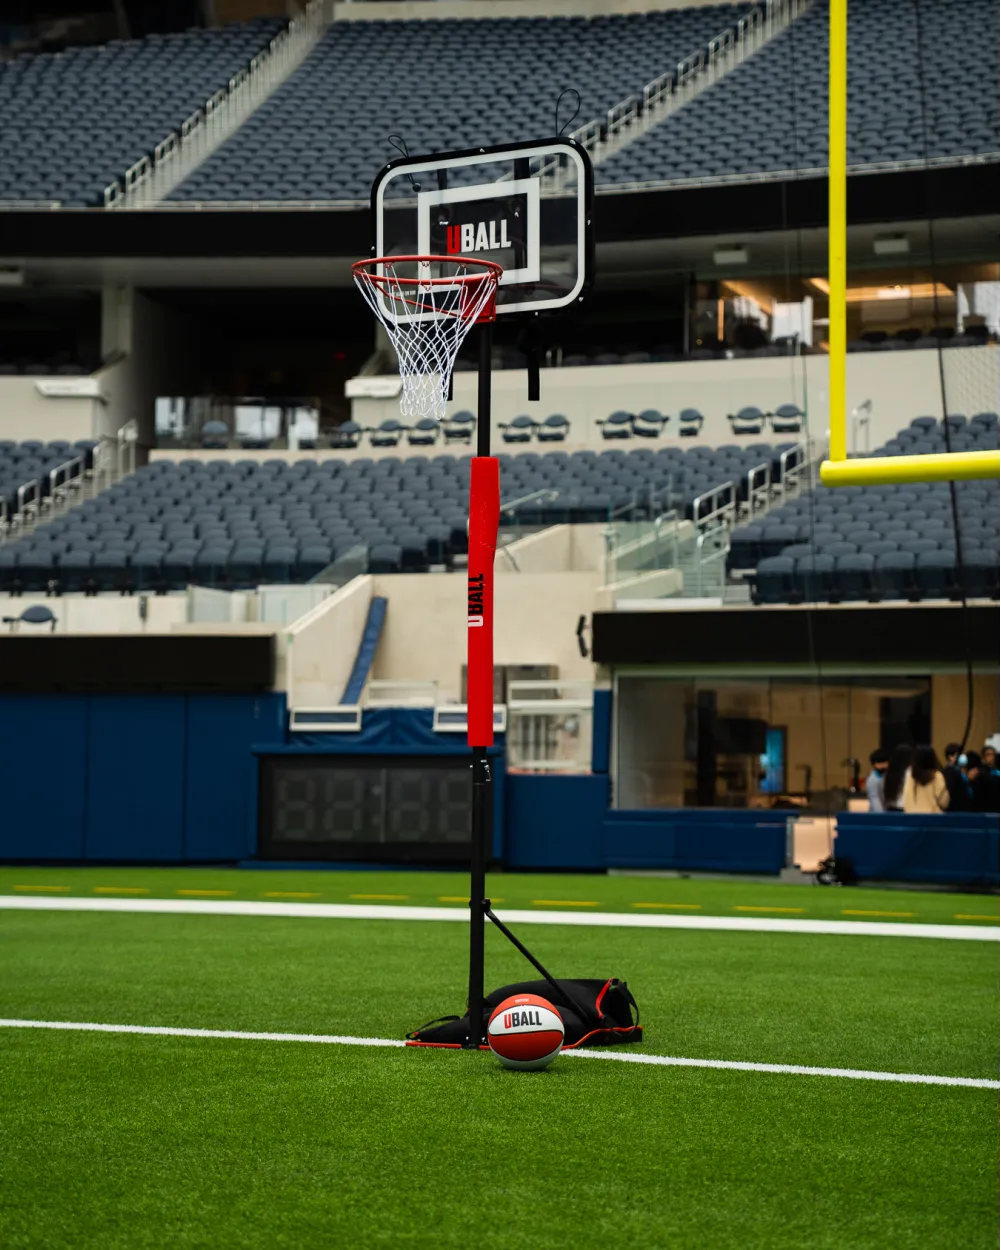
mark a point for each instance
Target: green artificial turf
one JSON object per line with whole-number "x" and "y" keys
{"x": 513, "y": 890}
{"x": 139, "y": 1141}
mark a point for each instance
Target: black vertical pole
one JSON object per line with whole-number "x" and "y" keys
{"x": 483, "y": 789}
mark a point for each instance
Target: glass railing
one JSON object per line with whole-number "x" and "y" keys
{"x": 633, "y": 548}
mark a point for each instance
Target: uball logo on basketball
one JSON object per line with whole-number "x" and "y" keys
{"x": 519, "y": 1019}
{"x": 473, "y": 236}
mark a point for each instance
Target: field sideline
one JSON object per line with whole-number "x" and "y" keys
{"x": 142, "y": 1140}
{"x": 549, "y": 891}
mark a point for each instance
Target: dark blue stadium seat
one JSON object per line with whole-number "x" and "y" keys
{"x": 774, "y": 580}
{"x": 853, "y": 577}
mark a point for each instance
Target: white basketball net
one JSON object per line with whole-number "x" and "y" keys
{"x": 427, "y": 314}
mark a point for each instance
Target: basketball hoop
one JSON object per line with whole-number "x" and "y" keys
{"x": 427, "y": 305}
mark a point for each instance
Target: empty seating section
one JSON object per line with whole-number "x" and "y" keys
{"x": 770, "y": 113}
{"x": 872, "y": 543}
{"x": 73, "y": 122}
{"x": 237, "y": 524}
{"x": 323, "y": 135}
{"x": 26, "y": 469}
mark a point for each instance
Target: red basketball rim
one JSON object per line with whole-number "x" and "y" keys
{"x": 395, "y": 284}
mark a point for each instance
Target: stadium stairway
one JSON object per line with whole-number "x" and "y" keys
{"x": 322, "y": 135}
{"x": 74, "y": 123}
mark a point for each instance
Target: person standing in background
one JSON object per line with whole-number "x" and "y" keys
{"x": 960, "y": 795}
{"x": 925, "y": 790}
{"x": 989, "y": 759}
{"x": 984, "y": 784}
{"x": 894, "y": 778}
{"x": 874, "y": 782}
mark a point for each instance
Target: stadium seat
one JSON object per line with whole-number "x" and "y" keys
{"x": 618, "y": 425}
{"x": 690, "y": 422}
{"x": 773, "y": 580}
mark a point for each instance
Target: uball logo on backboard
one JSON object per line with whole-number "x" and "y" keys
{"x": 474, "y": 605}
{"x": 495, "y": 221}
{"x": 472, "y": 236}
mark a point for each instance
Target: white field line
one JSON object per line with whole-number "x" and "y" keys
{"x": 326, "y": 1039}
{"x": 595, "y": 920}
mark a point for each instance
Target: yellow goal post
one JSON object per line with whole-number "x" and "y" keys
{"x": 880, "y": 470}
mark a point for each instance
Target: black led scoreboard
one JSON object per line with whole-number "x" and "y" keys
{"x": 393, "y": 809}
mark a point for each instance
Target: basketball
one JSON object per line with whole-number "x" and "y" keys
{"x": 525, "y": 1032}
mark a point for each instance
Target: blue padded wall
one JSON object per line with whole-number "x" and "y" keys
{"x": 695, "y": 840}
{"x": 601, "y": 734}
{"x": 43, "y": 776}
{"x": 954, "y": 848}
{"x": 555, "y": 822}
{"x": 221, "y": 772}
{"x": 135, "y": 773}
{"x": 123, "y": 777}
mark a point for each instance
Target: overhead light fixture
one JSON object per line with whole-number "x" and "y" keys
{"x": 862, "y": 294}
{"x": 730, "y": 254}
{"x": 891, "y": 245}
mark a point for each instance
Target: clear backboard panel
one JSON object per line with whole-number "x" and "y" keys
{"x": 527, "y": 207}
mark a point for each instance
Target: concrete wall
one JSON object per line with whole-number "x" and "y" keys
{"x": 321, "y": 646}
{"x": 535, "y": 619}
{"x": 149, "y": 338}
{"x": 901, "y": 385}
{"x": 103, "y": 614}
{"x": 557, "y": 549}
{"x": 156, "y": 346}
{"x": 26, "y": 413}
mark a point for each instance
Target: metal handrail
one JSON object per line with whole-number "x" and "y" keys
{"x": 72, "y": 474}
{"x": 759, "y": 486}
{"x": 791, "y": 465}
{"x": 861, "y": 416}
{"x": 23, "y": 502}
{"x": 546, "y": 495}
{"x": 207, "y": 126}
{"x": 722, "y": 501}
{"x": 719, "y": 533}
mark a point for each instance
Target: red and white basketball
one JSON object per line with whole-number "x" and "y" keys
{"x": 525, "y": 1031}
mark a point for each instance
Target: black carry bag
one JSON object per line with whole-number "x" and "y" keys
{"x": 594, "y": 1013}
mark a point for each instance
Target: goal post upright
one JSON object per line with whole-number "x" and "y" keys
{"x": 838, "y": 470}
{"x": 837, "y": 228}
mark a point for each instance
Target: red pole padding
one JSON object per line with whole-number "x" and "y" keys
{"x": 484, "y": 514}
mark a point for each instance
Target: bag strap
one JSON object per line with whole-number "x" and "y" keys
{"x": 430, "y": 1024}
{"x": 630, "y": 1000}
{"x": 613, "y": 983}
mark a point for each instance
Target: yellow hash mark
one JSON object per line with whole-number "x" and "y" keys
{"x": 964, "y": 916}
{"x": 563, "y": 902}
{"x": 44, "y": 889}
{"x": 120, "y": 889}
{"x": 290, "y": 894}
{"x": 847, "y": 911}
{"x": 387, "y": 897}
{"x": 685, "y": 906}
{"x": 789, "y": 909}
{"x": 453, "y": 898}
{"x": 206, "y": 893}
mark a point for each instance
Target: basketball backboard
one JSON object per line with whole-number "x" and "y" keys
{"x": 527, "y": 207}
